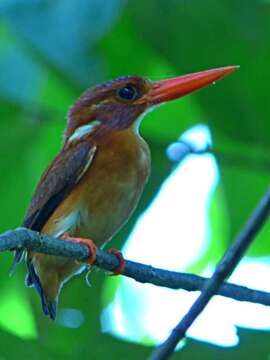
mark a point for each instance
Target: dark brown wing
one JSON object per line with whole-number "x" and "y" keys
{"x": 57, "y": 182}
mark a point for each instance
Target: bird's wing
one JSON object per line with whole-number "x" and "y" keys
{"x": 59, "y": 179}
{"x": 57, "y": 182}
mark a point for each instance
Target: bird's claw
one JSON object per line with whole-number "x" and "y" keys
{"x": 120, "y": 268}
{"x": 89, "y": 243}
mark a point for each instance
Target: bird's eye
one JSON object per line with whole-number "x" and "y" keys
{"x": 127, "y": 92}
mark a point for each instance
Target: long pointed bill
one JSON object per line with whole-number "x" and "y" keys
{"x": 174, "y": 88}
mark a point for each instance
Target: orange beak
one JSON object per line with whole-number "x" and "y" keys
{"x": 177, "y": 87}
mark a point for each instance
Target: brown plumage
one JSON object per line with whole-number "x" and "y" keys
{"x": 96, "y": 180}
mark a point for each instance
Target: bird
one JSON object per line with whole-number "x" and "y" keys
{"x": 94, "y": 183}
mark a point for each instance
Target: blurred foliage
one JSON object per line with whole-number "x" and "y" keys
{"x": 50, "y": 51}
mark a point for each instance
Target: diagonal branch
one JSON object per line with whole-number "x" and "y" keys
{"x": 224, "y": 269}
{"x": 30, "y": 240}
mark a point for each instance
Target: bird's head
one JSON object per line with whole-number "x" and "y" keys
{"x": 117, "y": 104}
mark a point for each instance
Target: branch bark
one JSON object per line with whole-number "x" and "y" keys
{"x": 224, "y": 269}
{"x": 30, "y": 240}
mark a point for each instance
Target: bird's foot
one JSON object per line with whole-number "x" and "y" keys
{"x": 89, "y": 243}
{"x": 120, "y": 268}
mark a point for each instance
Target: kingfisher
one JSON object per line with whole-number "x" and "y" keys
{"x": 94, "y": 183}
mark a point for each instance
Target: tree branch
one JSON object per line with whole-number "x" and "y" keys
{"x": 224, "y": 269}
{"x": 30, "y": 240}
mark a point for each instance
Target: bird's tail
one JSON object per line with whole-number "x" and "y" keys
{"x": 32, "y": 280}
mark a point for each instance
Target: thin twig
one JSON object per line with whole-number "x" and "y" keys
{"x": 30, "y": 240}
{"x": 224, "y": 269}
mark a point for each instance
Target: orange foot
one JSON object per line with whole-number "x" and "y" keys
{"x": 120, "y": 268}
{"x": 89, "y": 243}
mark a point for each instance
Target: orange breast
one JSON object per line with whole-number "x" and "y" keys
{"x": 108, "y": 192}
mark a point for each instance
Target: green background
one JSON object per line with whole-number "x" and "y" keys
{"x": 50, "y": 51}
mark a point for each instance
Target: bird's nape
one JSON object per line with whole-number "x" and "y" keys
{"x": 117, "y": 104}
